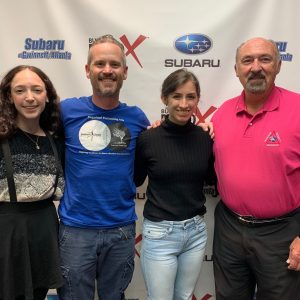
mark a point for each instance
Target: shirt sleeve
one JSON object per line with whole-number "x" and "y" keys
{"x": 140, "y": 167}
{"x": 211, "y": 177}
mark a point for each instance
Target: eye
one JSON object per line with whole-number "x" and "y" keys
{"x": 100, "y": 64}
{"x": 191, "y": 97}
{"x": 38, "y": 90}
{"x": 19, "y": 90}
{"x": 266, "y": 59}
{"x": 176, "y": 96}
{"x": 247, "y": 60}
{"x": 115, "y": 65}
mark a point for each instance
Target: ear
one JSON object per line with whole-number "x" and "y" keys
{"x": 87, "y": 71}
{"x": 235, "y": 69}
{"x": 125, "y": 73}
{"x": 278, "y": 67}
{"x": 164, "y": 100}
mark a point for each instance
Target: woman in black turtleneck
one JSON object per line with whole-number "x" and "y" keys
{"x": 177, "y": 158}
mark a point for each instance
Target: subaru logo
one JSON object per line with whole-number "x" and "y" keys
{"x": 193, "y": 43}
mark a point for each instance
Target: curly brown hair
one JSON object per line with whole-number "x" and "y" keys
{"x": 50, "y": 117}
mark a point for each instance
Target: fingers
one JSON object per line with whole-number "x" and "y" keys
{"x": 293, "y": 264}
{"x": 294, "y": 256}
{"x": 208, "y": 126}
{"x": 155, "y": 124}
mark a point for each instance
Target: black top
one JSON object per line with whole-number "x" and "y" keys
{"x": 177, "y": 159}
{"x": 34, "y": 170}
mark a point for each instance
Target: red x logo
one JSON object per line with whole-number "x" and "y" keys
{"x": 206, "y": 297}
{"x": 138, "y": 239}
{"x": 201, "y": 118}
{"x": 131, "y": 48}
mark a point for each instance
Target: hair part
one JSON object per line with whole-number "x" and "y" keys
{"x": 177, "y": 79}
{"x": 50, "y": 117}
{"x": 107, "y": 38}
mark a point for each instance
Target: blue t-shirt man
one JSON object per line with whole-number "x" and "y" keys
{"x": 100, "y": 148}
{"x": 97, "y": 210}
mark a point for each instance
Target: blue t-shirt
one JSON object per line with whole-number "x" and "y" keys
{"x": 100, "y": 148}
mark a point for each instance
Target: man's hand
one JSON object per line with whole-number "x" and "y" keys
{"x": 294, "y": 256}
{"x": 208, "y": 126}
{"x": 155, "y": 124}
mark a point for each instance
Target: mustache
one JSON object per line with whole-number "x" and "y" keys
{"x": 109, "y": 76}
{"x": 258, "y": 75}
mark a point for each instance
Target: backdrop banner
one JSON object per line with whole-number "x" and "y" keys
{"x": 159, "y": 37}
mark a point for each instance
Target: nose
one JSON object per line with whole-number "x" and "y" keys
{"x": 256, "y": 66}
{"x": 107, "y": 68}
{"x": 29, "y": 96}
{"x": 183, "y": 102}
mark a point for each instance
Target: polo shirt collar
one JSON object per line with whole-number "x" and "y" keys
{"x": 272, "y": 103}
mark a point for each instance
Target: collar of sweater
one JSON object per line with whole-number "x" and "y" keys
{"x": 175, "y": 127}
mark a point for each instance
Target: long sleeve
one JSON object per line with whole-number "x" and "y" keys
{"x": 140, "y": 166}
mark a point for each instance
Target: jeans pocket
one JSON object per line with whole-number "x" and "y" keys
{"x": 201, "y": 225}
{"x": 127, "y": 232}
{"x": 155, "y": 230}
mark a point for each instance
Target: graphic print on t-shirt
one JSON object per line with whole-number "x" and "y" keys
{"x": 95, "y": 135}
{"x": 120, "y": 136}
{"x": 273, "y": 139}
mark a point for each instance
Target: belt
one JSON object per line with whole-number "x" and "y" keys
{"x": 252, "y": 221}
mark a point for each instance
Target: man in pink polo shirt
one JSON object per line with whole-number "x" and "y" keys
{"x": 257, "y": 160}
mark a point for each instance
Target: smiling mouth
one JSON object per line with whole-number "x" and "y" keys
{"x": 183, "y": 111}
{"x": 256, "y": 78}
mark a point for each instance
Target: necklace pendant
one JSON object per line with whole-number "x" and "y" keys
{"x": 37, "y": 147}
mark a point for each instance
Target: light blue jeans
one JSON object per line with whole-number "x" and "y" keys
{"x": 171, "y": 257}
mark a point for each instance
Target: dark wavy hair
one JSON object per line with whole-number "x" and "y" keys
{"x": 49, "y": 119}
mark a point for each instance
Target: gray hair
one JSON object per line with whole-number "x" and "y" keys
{"x": 277, "y": 53}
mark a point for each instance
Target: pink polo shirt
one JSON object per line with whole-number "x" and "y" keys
{"x": 257, "y": 158}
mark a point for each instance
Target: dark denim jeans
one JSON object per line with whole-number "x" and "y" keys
{"x": 102, "y": 255}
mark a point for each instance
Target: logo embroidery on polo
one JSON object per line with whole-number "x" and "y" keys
{"x": 273, "y": 139}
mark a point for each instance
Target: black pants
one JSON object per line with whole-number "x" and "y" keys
{"x": 38, "y": 294}
{"x": 247, "y": 257}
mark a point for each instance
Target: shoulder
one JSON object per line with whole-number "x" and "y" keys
{"x": 136, "y": 113}
{"x": 69, "y": 102}
{"x": 200, "y": 133}
{"x": 132, "y": 108}
{"x": 230, "y": 103}
{"x": 289, "y": 95}
{"x": 227, "y": 106}
{"x": 148, "y": 134}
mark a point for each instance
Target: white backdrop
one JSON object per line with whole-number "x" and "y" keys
{"x": 55, "y": 34}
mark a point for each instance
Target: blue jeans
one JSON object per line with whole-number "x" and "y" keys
{"x": 171, "y": 257}
{"x": 106, "y": 255}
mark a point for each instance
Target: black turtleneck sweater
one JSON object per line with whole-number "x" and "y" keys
{"x": 178, "y": 160}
